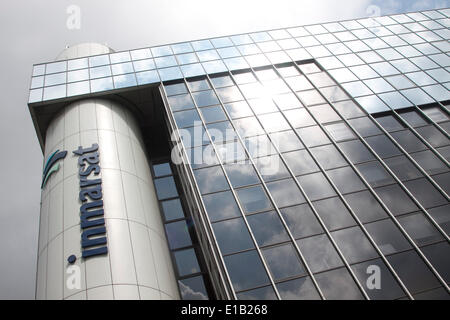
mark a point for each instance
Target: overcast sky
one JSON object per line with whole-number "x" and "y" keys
{"x": 33, "y": 31}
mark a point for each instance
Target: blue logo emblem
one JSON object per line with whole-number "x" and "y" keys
{"x": 52, "y": 165}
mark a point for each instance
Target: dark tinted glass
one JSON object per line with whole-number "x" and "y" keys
{"x": 267, "y": 228}
{"x": 439, "y": 256}
{"x": 403, "y": 168}
{"x": 365, "y": 206}
{"x": 413, "y": 271}
{"x": 389, "y": 288}
{"x": 354, "y": 244}
{"x": 221, "y": 206}
{"x": 390, "y": 123}
{"x": 396, "y": 199}
{"x": 172, "y": 209}
{"x": 298, "y": 289}
{"x": 246, "y": 270}
{"x": 265, "y": 293}
{"x": 316, "y": 186}
{"x": 162, "y": 169}
{"x": 356, "y": 151}
{"x": 338, "y": 285}
{"x": 433, "y": 136}
{"x": 283, "y": 261}
{"x": 346, "y": 180}
{"x": 387, "y": 236}
{"x": 301, "y": 221}
{"x": 383, "y": 146}
{"x": 193, "y": 289}
{"x": 186, "y": 261}
{"x": 426, "y": 193}
{"x": 375, "y": 174}
{"x": 441, "y": 216}
{"x": 165, "y": 188}
{"x": 178, "y": 234}
{"x": 420, "y": 228}
{"x": 364, "y": 126}
{"x": 429, "y": 162}
{"x": 408, "y": 141}
{"x": 319, "y": 253}
{"x": 334, "y": 214}
{"x": 232, "y": 236}
{"x": 328, "y": 157}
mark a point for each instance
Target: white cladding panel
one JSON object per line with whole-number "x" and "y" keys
{"x": 138, "y": 264}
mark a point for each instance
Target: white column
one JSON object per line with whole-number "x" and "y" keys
{"x": 138, "y": 264}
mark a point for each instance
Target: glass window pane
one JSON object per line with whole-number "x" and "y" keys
{"x": 387, "y": 236}
{"x": 408, "y": 141}
{"x": 254, "y": 199}
{"x": 439, "y": 256}
{"x": 232, "y": 236}
{"x": 248, "y": 127}
{"x": 300, "y": 162}
{"x": 221, "y": 205}
{"x": 285, "y": 193}
{"x": 375, "y": 174}
{"x": 433, "y": 136}
{"x": 178, "y": 234}
{"x": 301, "y": 221}
{"x": 210, "y": 179}
{"x": 186, "y": 261}
{"x": 389, "y": 290}
{"x": 383, "y": 146}
{"x": 265, "y": 293}
{"x": 413, "y": 271}
{"x": 267, "y": 228}
{"x": 328, "y": 157}
{"x": 346, "y": 180}
{"x": 316, "y": 186}
{"x": 319, "y": 253}
{"x": 356, "y": 151}
{"x": 354, "y": 244}
{"x": 193, "y": 289}
{"x": 172, "y": 209}
{"x": 246, "y": 270}
{"x": 420, "y": 228}
{"x": 283, "y": 261}
{"x": 298, "y": 289}
{"x": 403, "y": 168}
{"x": 338, "y": 285}
{"x": 426, "y": 193}
{"x": 165, "y": 188}
{"x": 299, "y": 118}
{"x": 180, "y": 102}
{"x": 365, "y": 206}
{"x": 397, "y": 201}
{"x": 334, "y": 213}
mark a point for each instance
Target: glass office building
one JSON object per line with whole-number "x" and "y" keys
{"x": 301, "y": 163}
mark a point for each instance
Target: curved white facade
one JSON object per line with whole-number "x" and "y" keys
{"x": 138, "y": 263}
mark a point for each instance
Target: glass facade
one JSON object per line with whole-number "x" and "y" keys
{"x": 312, "y": 159}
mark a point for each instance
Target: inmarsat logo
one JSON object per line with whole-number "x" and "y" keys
{"x": 52, "y": 165}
